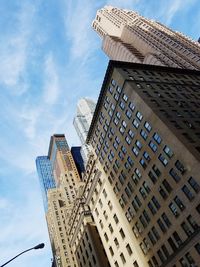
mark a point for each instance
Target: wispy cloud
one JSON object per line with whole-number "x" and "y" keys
{"x": 78, "y": 28}
{"x": 14, "y": 50}
{"x": 51, "y": 86}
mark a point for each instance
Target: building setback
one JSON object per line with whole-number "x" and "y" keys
{"x": 82, "y": 120}
{"x": 127, "y": 36}
{"x": 143, "y": 180}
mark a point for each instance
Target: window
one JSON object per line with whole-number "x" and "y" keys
{"x": 131, "y": 106}
{"x": 110, "y": 228}
{"x": 143, "y": 163}
{"x": 138, "y": 201}
{"x": 116, "y": 242}
{"x": 116, "y": 264}
{"x": 144, "y": 134}
{"x": 186, "y": 229}
{"x": 136, "y": 124}
{"x": 146, "y": 156}
{"x": 152, "y": 177}
{"x": 104, "y": 193}
{"x": 194, "y": 184}
{"x": 142, "y": 192}
{"x": 135, "y": 264}
{"x": 128, "y": 114}
{"x": 125, "y": 97}
{"x": 155, "y": 202}
{"x": 135, "y": 151}
{"x": 187, "y": 192}
{"x": 157, "y": 138}
{"x": 105, "y": 215}
{"x": 128, "y": 247}
{"x": 156, "y": 170}
{"x": 180, "y": 167}
{"x": 122, "y": 258}
{"x": 166, "y": 220}
{"x": 106, "y": 237}
{"x": 110, "y": 205}
{"x": 153, "y": 146}
{"x": 138, "y": 144}
{"x": 119, "y": 89}
{"x": 162, "y": 192}
{"x": 146, "y": 215}
{"x": 128, "y": 140}
{"x": 146, "y": 187}
{"x": 161, "y": 225}
{"x": 113, "y": 82}
{"x": 124, "y": 124}
{"x": 163, "y": 160}
{"x": 151, "y": 207}
{"x": 122, "y": 233}
{"x": 172, "y": 244}
{"x": 168, "y": 151}
{"x": 122, "y": 105}
{"x": 155, "y": 232}
{"x": 111, "y": 251}
{"x": 115, "y": 218}
{"x": 161, "y": 256}
{"x": 131, "y": 134}
{"x": 130, "y": 161}
{"x": 151, "y": 237}
{"x": 174, "y": 175}
{"x": 179, "y": 203}
{"x": 173, "y": 209}
{"x": 147, "y": 126}
{"x": 177, "y": 238}
{"x": 192, "y": 222}
{"x": 139, "y": 115}
{"x": 167, "y": 186}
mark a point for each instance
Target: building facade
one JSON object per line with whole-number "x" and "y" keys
{"x": 127, "y": 36}
{"x": 45, "y": 173}
{"x": 73, "y": 233}
{"x": 82, "y": 120}
{"x": 145, "y": 134}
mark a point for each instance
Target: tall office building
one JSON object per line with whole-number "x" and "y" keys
{"x": 73, "y": 234}
{"x": 44, "y": 170}
{"x": 127, "y": 36}
{"x": 82, "y": 120}
{"x": 143, "y": 181}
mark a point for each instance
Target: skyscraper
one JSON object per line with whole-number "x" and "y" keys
{"x": 44, "y": 170}
{"x": 82, "y": 120}
{"x": 127, "y": 36}
{"x": 144, "y": 181}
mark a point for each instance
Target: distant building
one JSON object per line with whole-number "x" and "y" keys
{"x": 44, "y": 170}
{"x": 127, "y": 36}
{"x": 76, "y": 154}
{"x": 73, "y": 234}
{"x": 82, "y": 120}
{"x": 143, "y": 182}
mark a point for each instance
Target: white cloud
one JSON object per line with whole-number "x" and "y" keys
{"x": 51, "y": 86}
{"x": 78, "y": 28}
{"x": 14, "y": 50}
{"x": 4, "y": 204}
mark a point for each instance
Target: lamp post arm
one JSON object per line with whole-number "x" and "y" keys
{"x": 17, "y": 256}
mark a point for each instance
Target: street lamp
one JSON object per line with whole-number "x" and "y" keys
{"x": 36, "y": 247}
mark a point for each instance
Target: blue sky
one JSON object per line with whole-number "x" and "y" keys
{"x": 50, "y": 58}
